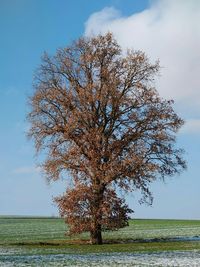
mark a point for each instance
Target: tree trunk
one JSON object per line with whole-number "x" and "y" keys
{"x": 96, "y": 235}
{"x": 96, "y": 232}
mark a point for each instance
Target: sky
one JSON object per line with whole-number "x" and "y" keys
{"x": 167, "y": 30}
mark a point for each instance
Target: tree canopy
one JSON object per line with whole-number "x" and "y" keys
{"x": 96, "y": 114}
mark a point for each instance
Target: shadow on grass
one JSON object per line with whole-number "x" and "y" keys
{"x": 108, "y": 241}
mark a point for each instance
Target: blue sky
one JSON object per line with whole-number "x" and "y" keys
{"x": 164, "y": 29}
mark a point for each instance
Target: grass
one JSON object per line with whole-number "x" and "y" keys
{"x": 109, "y": 248}
{"x": 46, "y": 235}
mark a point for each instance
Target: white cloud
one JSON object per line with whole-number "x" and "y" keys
{"x": 26, "y": 170}
{"x": 170, "y": 31}
{"x": 191, "y": 126}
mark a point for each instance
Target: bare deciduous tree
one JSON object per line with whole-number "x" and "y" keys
{"x": 97, "y": 115}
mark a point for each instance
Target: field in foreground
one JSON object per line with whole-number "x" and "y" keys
{"x": 41, "y": 242}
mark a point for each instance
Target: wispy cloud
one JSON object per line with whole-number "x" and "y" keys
{"x": 10, "y": 91}
{"x": 26, "y": 170}
{"x": 191, "y": 126}
{"x": 169, "y": 30}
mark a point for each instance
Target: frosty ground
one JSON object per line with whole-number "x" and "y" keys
{"x": 41, "y": 242}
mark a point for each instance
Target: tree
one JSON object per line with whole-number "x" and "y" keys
{"x": 99, "y": 119}
{"x": 79, "y": 208}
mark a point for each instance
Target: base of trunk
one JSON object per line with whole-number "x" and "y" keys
{"x": 96, "y": 237}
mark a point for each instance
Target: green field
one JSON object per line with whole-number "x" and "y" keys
{"x": 38, "y": 230}
{"x": 44, "y": 237}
